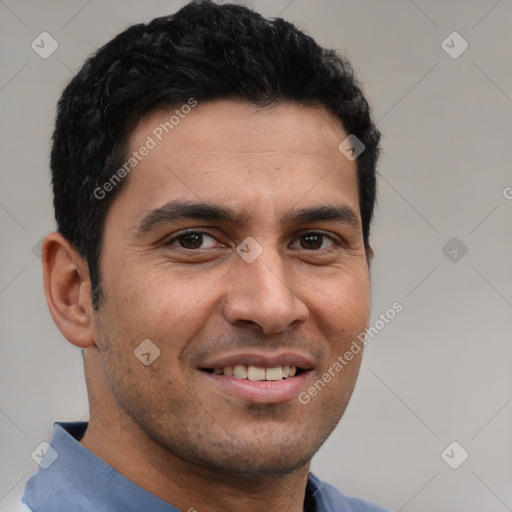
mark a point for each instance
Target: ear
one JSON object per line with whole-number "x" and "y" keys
{"x": 68, "y": 290}
{"x": 369, "y": 253}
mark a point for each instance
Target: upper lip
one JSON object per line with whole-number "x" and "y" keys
{"x": 261, "y": 360}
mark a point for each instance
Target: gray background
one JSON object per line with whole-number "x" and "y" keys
{"x": 437, "y": 373}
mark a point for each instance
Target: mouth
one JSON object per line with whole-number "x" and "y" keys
{"x": 259, "y": 378}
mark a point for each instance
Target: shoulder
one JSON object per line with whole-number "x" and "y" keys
{"x": 328, "y": 499}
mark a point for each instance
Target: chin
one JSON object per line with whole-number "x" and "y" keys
{"x": 254, "y": 455}
{"x": 256, "y": 464}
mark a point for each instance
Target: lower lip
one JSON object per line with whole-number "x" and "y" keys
{"x": 260, "y": 391}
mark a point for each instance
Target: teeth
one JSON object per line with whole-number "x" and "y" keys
{"x": 254, "y": 373}
{"x": 274, "y": 373}
{"x": 241, "y": 371}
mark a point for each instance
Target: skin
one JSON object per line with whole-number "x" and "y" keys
{"x": 165, "y": 426}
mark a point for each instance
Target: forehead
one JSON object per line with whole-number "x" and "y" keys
{"x": 245, "y": 127}
{"x": 233, "y": 152}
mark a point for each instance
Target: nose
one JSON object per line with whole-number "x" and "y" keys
{"x": 261, "y": 295}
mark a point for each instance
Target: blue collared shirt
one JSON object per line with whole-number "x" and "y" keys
{"x": 72, "y": 479}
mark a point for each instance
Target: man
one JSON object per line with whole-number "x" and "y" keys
{"x": 214, "y": 183}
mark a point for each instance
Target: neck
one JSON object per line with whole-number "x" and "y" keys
{"x": 115, "y": 438}
{"x": 186, "y": 485}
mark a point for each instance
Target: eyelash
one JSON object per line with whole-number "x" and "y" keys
{"x": 334, "y": 241}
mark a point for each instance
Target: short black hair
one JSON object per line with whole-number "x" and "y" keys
{"x": 204, "y": 51}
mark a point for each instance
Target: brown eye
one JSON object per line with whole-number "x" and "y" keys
{"x": 311, "y": 241}
{"x": 316, "y": 241}
{"x": 193, "y": 240}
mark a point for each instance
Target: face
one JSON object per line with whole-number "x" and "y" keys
{"x": 236, "y": 248}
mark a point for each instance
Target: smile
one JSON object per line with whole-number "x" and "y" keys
{"x": 259, "y": 377}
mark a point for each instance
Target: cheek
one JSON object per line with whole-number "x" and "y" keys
{"x": 342, "y": 305}
{"x": 160, "y": 303}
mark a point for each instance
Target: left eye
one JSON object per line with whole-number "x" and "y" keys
{"x": 314, "y": 241}
{"x": 193, "y": 240}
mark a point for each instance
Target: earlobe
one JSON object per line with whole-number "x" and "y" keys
{"x": 67, "y": 290}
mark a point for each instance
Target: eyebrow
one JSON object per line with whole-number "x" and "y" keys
{"x": 175, "y": 211}
{"x": 329, "y": 213}
{"x": 178, "y": 210}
